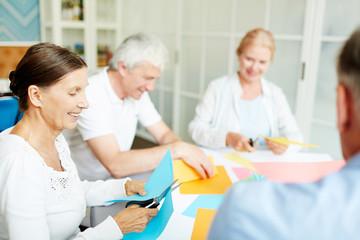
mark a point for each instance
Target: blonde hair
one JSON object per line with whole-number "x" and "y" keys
{"x": 258, "y": 36}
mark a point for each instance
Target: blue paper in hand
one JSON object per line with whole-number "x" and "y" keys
{"x": 157, "y": 225}
{"x": 161, "y": 178}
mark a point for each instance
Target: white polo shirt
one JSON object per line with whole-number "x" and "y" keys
{"x": 107, "y": 114}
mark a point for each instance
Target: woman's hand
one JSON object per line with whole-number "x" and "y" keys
{"x": 276, "y": 148}
{"x": 134, "y": 218}
{"x": 239, "y": 142}
{"x": 133, "y": 187}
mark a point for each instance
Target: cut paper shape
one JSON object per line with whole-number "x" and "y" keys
{"x": 234, "y": 157}
{"x": 157, "y": 225}
{"x": 203, "y": 201}
{"x": 254, "y": 177}
{"x": 292, "y": 172}
{"x": 202, "y": 223}
{"x": 258, "y": 177}
{"x": 215, "y": 185}
{"x": 242, "y": 173}
{"x": 185, "y": 173}
{"x": 285, "y": 141}
{"x": 160, "y": 179}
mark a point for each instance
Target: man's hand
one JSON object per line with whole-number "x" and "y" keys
{"x": 276, "y": 148}
{"x": 133, "y": 187}
{"x": 194, "y": 157}
{"x": 134, "y": 219}
{"x": 239, "y": 142}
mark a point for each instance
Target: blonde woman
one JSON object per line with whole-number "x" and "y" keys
{"x": 237, "y": 107}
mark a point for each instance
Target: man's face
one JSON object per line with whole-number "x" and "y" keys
{"x": 140, "y": 79}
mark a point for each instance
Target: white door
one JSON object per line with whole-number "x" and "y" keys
{"x": 337, "y": 19}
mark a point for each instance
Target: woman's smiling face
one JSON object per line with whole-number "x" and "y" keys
{"x": 63, "y": 101}
{"x": 254, "y": 62}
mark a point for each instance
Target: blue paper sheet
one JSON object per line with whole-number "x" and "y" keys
{"x": 204, "y": 201}
{"x": 157, "y": 225}
{"x": 161, "y": 178}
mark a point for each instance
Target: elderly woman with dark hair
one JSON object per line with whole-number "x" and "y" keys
{"x": 41, "y": 194}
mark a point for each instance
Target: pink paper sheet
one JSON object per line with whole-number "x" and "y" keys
{"x": 292, "y": 172}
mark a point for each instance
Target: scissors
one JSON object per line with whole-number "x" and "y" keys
{"x": 252, "y": 142}
{"x": 154, "y": 202}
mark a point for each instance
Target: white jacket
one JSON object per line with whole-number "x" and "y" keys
{"x": 218, "y": 113}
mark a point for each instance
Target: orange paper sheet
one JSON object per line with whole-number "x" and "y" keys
{"x": 202, "y": 223}
{"x": 185, "y": 173}
{"x": 234, "y": 157}
{"x": 292, "y": 172}
{"x": 215, "y": 185}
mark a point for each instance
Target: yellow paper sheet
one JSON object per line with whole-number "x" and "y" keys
{"x": 185, "y": 173}
{"x": 285, "y": 141}
{"x": 215, "y": 185}
{"x": 202, "y": 223}
{"x": 240, "y": 160}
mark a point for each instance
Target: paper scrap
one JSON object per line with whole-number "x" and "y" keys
{"x": 234, "y": 157}
{"x": 215, "y": 185}
{"x": 254, "y": 177}
{"x": 185, "y": 173}
{"x": 242, "y": 173}
{"x": 293, "y": 172}
{"x": 203, "y": 201}
{"x": 202, "y": 223}
{"x": 285, "y": 141}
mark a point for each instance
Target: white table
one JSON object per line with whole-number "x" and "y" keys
{"x": 180, "y": 227}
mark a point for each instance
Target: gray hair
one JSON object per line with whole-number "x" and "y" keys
{"x": 348, "y": 67}
{"x": 138, "y": 49}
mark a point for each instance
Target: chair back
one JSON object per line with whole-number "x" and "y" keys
{"x": 9, "y": 112}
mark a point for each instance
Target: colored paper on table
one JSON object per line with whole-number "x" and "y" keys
{"x": 185, "y": 173}
{"x": 160, "y": 179}
{"x": 242, "y": 173}
{"x": 215, "y": 185}
{"x": 157, "y": 225}
{"x": 292, "y": 172}
{"x": 285, "y": 141}
{"x": 202, "y": 223}
{"x": 253, "y": 177}
{"x": 234, "y": 157}
{"x": 203, "y": 201}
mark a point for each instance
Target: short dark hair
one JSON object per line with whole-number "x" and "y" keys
{"x": 43, "y": 64}
{"x": 348, "y": 66}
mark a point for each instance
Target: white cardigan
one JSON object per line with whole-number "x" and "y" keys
{"x": 218, "y": 113}
{"x": 40, "y": 203}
